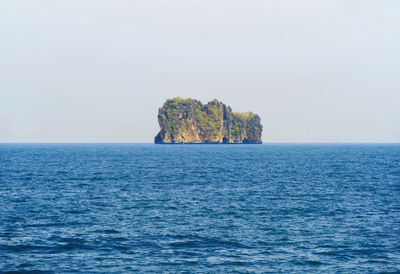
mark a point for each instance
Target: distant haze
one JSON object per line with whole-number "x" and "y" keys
{"x": 97, "y": 71}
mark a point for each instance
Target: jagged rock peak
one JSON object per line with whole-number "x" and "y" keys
{"x": 189, "y": 121}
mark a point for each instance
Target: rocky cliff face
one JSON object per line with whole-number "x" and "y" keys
{"x": 189, "y": 121}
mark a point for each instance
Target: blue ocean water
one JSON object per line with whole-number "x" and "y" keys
{"x": 200, "y": 208}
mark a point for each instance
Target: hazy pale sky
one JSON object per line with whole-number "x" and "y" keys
{"x": 97, "y": 71}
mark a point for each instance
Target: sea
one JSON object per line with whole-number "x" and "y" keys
{"x": 146, "y": 208}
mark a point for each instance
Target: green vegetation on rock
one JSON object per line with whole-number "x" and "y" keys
{"x": 189, "y": 121}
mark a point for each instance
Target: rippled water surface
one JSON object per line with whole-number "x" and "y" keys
{"x": 199, "y": 208}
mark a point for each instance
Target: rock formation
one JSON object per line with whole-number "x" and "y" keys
{"x": 189, "y": 121}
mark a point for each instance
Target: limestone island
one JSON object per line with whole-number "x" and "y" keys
{"x": 188, "y": 121}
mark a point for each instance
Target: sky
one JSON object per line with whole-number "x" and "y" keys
{"x": 97, "y": 71}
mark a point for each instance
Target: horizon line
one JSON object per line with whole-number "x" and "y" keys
{"x": 272, "y": 142}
